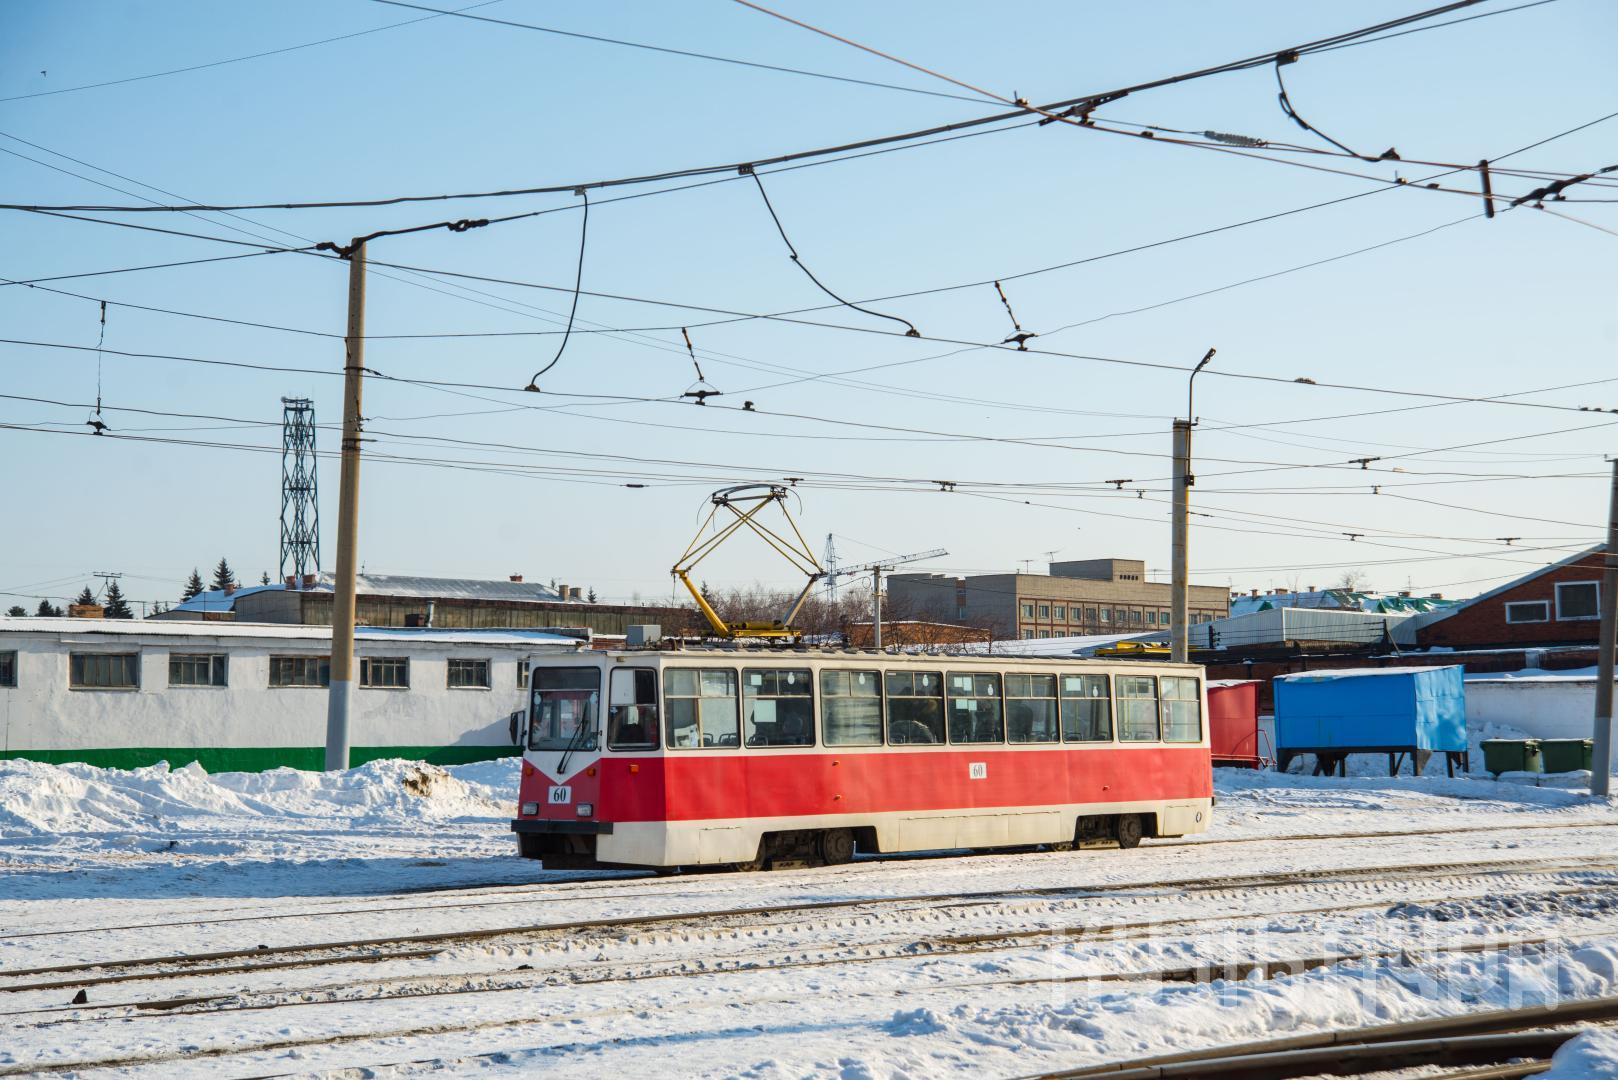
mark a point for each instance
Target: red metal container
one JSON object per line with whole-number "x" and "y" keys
{"x": 1233, "y": 723}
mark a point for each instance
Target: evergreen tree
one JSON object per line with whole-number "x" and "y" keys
{"x": 17, "y": 611}
{"x": 223, "y": 576}
{"x": 264, "y": 578}
{"x": 159, "y": 606}
{"x": 86, "y": 597}
{"x": 117, "y": 607}
{"x": 48, "y": 611}
{"x": 591, "y": 595}
{"x": 192, "y": 587}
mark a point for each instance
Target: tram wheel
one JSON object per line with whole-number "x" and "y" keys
{"x": 837, "y": 846}
{"x": 1129, "y": 830}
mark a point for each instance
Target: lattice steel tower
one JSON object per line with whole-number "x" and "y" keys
{"x": 300, "y": 491}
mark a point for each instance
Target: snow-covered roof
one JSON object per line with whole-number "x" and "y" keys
{"x": 1346, "y": 673}
{"x": 285, "y": 631}
{"x": 1056, "y": 646}
{"x": 426, "y": 588}
{"x": 1339, "y": 599}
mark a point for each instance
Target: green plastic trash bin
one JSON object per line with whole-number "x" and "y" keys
{"x": 1511, "y": 755}
{"x": 1565, "y": 755}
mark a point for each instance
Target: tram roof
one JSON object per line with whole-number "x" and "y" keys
{"x": 711, "y": 652}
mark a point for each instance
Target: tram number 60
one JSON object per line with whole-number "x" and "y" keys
{"x": 977, "y": 770}
{"x": 561, "y": 796}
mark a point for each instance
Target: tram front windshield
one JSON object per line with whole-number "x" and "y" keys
{"x": 564, "y": 708}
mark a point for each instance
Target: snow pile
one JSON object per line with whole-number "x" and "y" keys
{"x": 1591, "y": 1056}
{"x": 38, "y": 799}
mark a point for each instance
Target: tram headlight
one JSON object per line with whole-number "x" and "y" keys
{"x": 530, "y": 809}
{"x": 586, "y": 809}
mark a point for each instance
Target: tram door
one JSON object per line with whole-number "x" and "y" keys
{"x": 563, "y": 747}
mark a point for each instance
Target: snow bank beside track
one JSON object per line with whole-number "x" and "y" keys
{"x": 38, "y": 799}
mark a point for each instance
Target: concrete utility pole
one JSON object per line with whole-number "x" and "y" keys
{"x": 876, "y": 607}
{"x": 1179, "y": 590}
{"x": 1179, "y": 615}
{"x": 341, "y": 694}
{"x": 1601, "y": 751}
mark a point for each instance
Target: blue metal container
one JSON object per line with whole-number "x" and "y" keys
{"x": 1372, "y": 709}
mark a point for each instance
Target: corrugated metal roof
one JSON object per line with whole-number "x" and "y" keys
{"x": 187, "y": 628}
{"x": 425, "y": 588}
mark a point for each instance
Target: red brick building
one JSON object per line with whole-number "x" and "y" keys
{"x": 1559, "y": 605}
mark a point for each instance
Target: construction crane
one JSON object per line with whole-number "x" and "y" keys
{"x": 877, "y": 569}
{"x": 747, "y": 502}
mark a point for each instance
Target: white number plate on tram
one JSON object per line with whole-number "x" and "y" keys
{"x": 977, "y": 770}
{"x": 561, "y": 796}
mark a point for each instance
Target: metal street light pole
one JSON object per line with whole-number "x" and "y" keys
{"x": 1179, "y": 592}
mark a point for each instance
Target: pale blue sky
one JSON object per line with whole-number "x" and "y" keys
{"x": 1481, "y": 308}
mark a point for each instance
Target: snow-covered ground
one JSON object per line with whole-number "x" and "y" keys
{"x": 385, "y": 923}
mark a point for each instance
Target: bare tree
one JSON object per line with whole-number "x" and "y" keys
{"x": 1353, "y": 580}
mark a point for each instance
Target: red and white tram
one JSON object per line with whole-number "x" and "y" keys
{"x": 748, "y": 757}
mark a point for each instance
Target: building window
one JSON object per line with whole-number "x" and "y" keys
{"x": 385, "y": 672}
{"x": 915, "y": 707}
{"x": 1134, "y": 616}
{"x": 1028, "y": 611}
{"x": 1182, "y": 710}
{"x": 104, "y": 671}
{"x": 1086, "y": 709}
{"x": 198, "y": 669}
{"x": 468, "y": 674}
{"x": 8, "y": 668}
{"x": 1151, "y": 618}
{"x": 778, "y": 707}
{"x": 1523, "y": 611}
{"x": 1031, "y": 708}
{"x": 1578, "y": 600}
{"x": 1090, "y": 614}
{"x": 300, "y": 671}
{"x": 522, "y": 672}
{"x": 974, "y": 708}
{"x": 1106, "y": 615}
{"x": 1137, "y": 708}
{"x": 701, "y": 707}
{"x": 960, "y": 611}
{"x": 1059, "y": 613}
{"x": 1027, "y": 634}
{"x": 1044, "y": 611}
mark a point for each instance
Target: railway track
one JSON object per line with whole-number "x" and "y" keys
{"x": 594, "y": 885}
{"x": 1506, "y": 1042}
{"x": 364, "y": 949}
{"x": 1303, "y": 1055}
{"x": 757, "y": 954}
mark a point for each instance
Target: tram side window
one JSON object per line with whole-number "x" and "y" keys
{"x": 1031, "y": 708}
{"x": 779, "y": 706}
{"x": 701, "y": 706}
{"x": 851, "y": 707}
{"x": 974, "y": 708}
{"x": 915, "y": 707}
{"x": 1086, "y": 709}
{"x": 1182, "y": 710}
{"x": 632, "y": 709}
{"x": 1137, "y": 708}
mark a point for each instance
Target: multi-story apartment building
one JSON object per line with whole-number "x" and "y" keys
{"x": 1087, "y": 596}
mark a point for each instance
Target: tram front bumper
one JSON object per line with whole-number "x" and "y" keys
{"x": 551, "y": 827}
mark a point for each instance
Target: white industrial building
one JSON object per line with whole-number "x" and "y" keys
{"x": 241, "y": 696}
